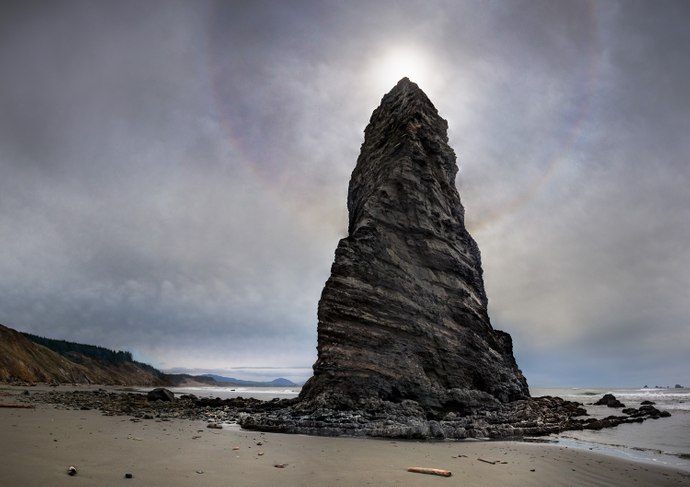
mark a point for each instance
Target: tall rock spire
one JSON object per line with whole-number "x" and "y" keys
{"x": 404, "y": 312}
{"x": 406, "y": 349}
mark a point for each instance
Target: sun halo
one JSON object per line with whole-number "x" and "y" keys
{"x": 399, "y": 63}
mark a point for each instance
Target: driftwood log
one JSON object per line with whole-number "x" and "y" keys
{"x": 430, "y": 471}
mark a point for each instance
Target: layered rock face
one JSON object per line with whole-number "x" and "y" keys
{"x": 403, "y": 315}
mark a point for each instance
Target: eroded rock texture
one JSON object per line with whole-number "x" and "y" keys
{"x": 403, "y": 315}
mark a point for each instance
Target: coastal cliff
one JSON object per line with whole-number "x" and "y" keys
{"x": 22, "y": 360}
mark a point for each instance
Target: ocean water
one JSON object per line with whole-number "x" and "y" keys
{"x": 263, "y": 393}
{"x": 661, "y": 441}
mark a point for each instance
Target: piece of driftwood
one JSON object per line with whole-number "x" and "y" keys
{"x": 17, "y": 406}
{"x": 486, "y": 461}
{"x": 430, "y": 471}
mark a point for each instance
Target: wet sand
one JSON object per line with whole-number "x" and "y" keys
{"x": 38, "y": 445}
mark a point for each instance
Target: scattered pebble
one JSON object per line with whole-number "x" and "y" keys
{"x": 129, "y": 476}
{"x": 72, "y": 470}
{"x": 280, "y": 465}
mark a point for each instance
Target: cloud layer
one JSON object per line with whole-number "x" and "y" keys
{"x": 174, "y": 175}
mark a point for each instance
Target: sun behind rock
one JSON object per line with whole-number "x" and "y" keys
{"x": 401, "y": 62}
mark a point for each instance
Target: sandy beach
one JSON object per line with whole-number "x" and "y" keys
{"x": 39, "y": 444}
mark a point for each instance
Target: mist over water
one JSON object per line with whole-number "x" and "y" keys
{"x": 662, "y": 441}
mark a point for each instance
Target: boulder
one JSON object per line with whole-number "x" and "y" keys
{"x": 160, "y": 394}
{"x": 610, "y": 401}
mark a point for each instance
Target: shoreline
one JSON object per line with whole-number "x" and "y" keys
{"x": 41, "y": 443}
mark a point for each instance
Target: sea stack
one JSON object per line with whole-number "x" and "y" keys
{"x": 403, "y": 316}
{"x": 406, "y": 348}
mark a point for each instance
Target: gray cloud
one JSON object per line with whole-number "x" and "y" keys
{"x": 174, "y": 174}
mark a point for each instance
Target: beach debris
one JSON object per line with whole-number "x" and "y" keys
{"x": 235, "y": 447}
{"x": 492, "y": 462}
{"x": 72, "y": 470}
{"x": 280, "y": 465}
{"x": 17, "y": 406}
{"x": 260, "y": 453}
{"x": 199, "y": 472}
{"x": 129, "y": 476}
{"x": 215, "y": 426}
{"x": 430, "y": 471}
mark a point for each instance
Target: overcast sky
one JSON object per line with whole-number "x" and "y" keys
{"x": 173, "y": 175}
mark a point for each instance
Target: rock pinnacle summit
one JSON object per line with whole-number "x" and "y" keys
{"x": 403, "y": 315}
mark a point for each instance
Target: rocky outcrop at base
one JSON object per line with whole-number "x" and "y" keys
{"x": 406, "y": 420}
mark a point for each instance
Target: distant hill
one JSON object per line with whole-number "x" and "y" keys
{"x": 187, "y": 380}
{"x": 29, "y": 358}
{"x": 225, "y": 381}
